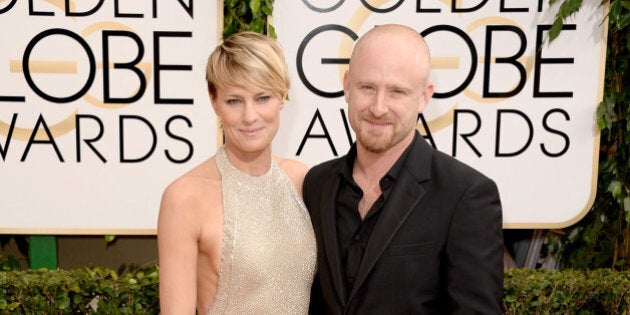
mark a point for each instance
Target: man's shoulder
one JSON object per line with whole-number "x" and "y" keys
{"x": 446, "y": 167}
{"x": 326, "y": 167}
{"x": 319, "y": 175}
{"x": 446, "y": 161}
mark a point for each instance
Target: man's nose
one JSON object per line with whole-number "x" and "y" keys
{"x": 379, "y": 106}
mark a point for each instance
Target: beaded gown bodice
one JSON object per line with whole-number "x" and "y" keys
{"x": 268, "y": 254}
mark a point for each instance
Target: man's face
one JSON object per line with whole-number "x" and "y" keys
{"x": 385, "y": 92}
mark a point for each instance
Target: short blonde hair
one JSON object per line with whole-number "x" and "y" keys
{"x": 248, "y": 58}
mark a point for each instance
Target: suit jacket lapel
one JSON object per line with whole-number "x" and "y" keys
{"x": 402, "y": 201}
{"x": 404, "y": 197}
{"x": 329, "y": 233}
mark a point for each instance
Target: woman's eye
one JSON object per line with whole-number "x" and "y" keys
{"x": 233, "y": 101}
{"x": 264, "y": 98}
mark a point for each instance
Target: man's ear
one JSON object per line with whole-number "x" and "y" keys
{"x": 426, "y": 96}
{"x": 346, "y": 86}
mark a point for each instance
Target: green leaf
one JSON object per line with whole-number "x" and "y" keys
{"x": 601, "y": 122}
{"x": 75, "y": 288}
{"x": 555, "y": 29}
{"x": 254, "y": 5}
{"x": 614, "y": 12}
{"x": 231, "y": 3}
{"x": 109, "y": 239}
{"x": 574, "y": 234}
{"x": 569, "y": 7}
{"x": 241, "y": 10}
{"x": 605, "y": 110}
{"x": 266, "y": 10}
{"x": 624, "y": 22}
{"x": 113, "y": 274}
{"x": 229, "y": 30}
{"x": 615, "y": 188}
{"x": 227, "y": 19}
{"x": 13, "y": 306}
{"x": 271, "y": 31}
{"x": 257, "y": 25}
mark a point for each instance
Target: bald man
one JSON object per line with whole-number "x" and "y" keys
{"x": 401, "y": 228}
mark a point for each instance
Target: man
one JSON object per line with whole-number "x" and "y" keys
{"x": 401, "y": 228}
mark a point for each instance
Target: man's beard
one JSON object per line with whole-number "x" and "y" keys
{"x": 377, "y": 141}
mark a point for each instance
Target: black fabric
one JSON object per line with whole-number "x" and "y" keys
{"x": 353, "y": 233}
{"x": 436, "y": 248}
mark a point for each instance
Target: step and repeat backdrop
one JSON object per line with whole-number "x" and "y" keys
{"x": 104, "y": 102}
{"x": 507, "y": 102}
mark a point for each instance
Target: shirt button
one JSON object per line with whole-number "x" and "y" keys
{"x": 357, "y": 237}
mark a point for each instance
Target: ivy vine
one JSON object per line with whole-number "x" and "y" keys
{"x": 602, "y": 238}
{"x": 248, "y": 15}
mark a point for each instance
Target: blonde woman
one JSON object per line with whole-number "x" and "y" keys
{"x": 233, "y": 234}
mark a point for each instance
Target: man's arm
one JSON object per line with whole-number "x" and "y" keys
{"x": 475, "y": 251}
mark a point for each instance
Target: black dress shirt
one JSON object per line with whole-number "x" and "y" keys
{"x": 352, "y": 232}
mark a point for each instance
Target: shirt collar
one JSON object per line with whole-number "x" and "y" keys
{"x": 346, "y": 170}
{"x": 390, "y": 177}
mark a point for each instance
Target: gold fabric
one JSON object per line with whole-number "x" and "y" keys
{"x": 269, "y": 254}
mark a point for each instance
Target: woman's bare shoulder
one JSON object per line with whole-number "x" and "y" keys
{"x": 294, "y": 169}
{"x": 197, "y": 189}
{"x": 291, "y": 166}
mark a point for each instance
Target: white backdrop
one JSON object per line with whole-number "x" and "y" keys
{"x": 533, "y": 131}
{"x": 72, "y": 162}
{"x": 102, "y": 104}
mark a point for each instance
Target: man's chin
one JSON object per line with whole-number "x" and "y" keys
{"x": 375, "y": 146}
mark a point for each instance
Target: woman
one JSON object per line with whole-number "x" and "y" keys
{"x": 233, "y": 234}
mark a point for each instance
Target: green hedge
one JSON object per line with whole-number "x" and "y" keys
{"x": 79, "y": 291}
{"x": 600, "y": 291}
{"x": 105, "y": 291}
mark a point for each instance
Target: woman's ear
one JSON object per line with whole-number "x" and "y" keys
{"x": 213, "y": 101}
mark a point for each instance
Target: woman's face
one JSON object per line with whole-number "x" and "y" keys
{"x": 250, "y": 117}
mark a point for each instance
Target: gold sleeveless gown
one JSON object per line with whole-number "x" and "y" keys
{"x": 268, "y": 256}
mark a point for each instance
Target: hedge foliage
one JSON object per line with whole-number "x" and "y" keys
{"x": 80, "y": 291}
{"x": 569, "y": 291}
{"x": 105, "y": 291}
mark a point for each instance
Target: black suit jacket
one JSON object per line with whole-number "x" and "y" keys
{"x": 436, "y": 249}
